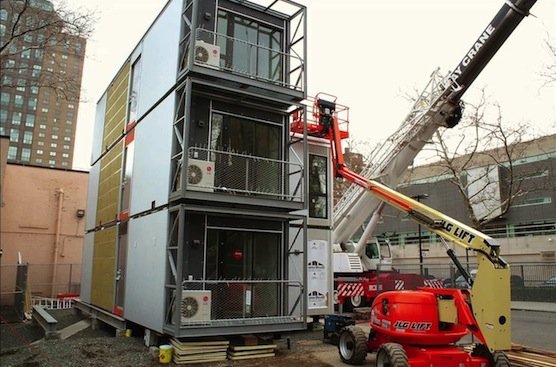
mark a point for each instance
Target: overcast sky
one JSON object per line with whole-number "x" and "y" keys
{"x": 368, "y": 53}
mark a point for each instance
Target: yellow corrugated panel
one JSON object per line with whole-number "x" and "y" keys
{"x": 108, "y": 200}
{"x": 104, "y": 268}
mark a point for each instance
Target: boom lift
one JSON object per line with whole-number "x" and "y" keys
{"x": 419, "y": 328}
{"x": 439, "y": 105}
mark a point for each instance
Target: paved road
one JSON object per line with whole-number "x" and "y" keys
{"x": 534, "y": 329}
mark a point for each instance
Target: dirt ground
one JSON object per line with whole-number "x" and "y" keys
{"x": 22, "y": 345}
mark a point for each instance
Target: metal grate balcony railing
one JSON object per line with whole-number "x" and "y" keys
{"x": 241, "y": 174}
{"x": 217, "y": 303}
{"x": 247, "y": 59}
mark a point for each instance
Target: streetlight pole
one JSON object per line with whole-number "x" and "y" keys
{"x": 419, "y": 198}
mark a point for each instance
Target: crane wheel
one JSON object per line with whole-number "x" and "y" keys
{"x": 352, "y": 345}
{"x": 391, "y": 355}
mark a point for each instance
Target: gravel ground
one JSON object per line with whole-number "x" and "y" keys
{"x": 22, "y": 346}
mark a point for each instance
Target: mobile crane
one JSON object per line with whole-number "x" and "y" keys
{"x": 439, "y": 105}
{"x": 419, "y": 328}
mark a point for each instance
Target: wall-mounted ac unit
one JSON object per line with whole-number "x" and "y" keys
{"x": 200, "y": 175}
{"x": 195, "y": 306}
{"x": 207, "y": 54}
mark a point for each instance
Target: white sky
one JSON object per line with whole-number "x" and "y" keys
{"x": 366, "y": 52}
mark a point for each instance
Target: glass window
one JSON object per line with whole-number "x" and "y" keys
{"x": 25, "y": 154}
{"x": 38, "y": 54}
{"x": 40, "y": 151}
{"x": 40, "y": 143}
{"x": 53, "y": 145}
{"x": 65, "y": 155}
{"x": 27, "y": 137}
{"x": 18, "y": 100}
{"x": 251, "y": 47}
{"x": 67, "y": 138}
{"x": 3, "y": 116}
{"x": 26, "y": 54}
{"x": 35, "y": 90}
{"x": 52, "y": 162}
{"x": 54, "y": 136}
{"x": 42, "y": 126}
{"x": 12, "y": 152}
{"x": 3, "y": 14}
{"x": 32, "y": 103}
{"x": 318, "y": 179}
{"x": 16, "y": 118}
{"x": 30, "y": 120}
{"x": 66, "y": 147}
{"x": 65, "y": 164}
{"x": 42, "y": 135}
{"x": 5, "y": 99}
{"x": 53, "y": 154}
{"x": 2, "y": 29}
{"x": 44, "y": 109}
{"x": 14, "y": 135}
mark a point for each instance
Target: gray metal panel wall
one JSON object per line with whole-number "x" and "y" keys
{"x": 92, "y": 192}
{"x": 98, "y": 129}
{"x": 159, "y": 59}
{"x": 146, "y": 270}
{"x": 151, "y": 163}
{"x": 153, "y": 135}
{"x": 87, "y": 267}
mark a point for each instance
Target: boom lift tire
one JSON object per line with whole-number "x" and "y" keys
{"x": 500, "y": 360}
{"x": 391, "y": 355}
{"x": 352, "y": 345}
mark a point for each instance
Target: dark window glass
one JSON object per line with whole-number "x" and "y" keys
{"x": 318, "y": 178}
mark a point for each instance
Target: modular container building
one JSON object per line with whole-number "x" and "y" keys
{"x": 206, "y": 214}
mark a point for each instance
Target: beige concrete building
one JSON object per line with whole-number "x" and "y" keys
{"x": 42, "y": 222}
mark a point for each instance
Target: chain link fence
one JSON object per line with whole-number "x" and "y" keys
{"x": 529, "y": 281}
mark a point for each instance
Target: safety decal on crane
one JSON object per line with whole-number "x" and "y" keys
{"x": 350, "y": 290}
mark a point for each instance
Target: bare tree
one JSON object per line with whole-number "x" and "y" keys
{"x": 549, "y": 72}
{"x": 479, "y": 157}
{"x": 44, "y": 29}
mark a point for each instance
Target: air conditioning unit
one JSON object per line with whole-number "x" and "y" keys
{"x": 195, "y": 306}
{"x": 207, "y": 54}
{"x": 200, "y": 175}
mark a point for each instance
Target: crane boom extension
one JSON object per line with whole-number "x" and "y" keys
{"x": 444, "y": 110}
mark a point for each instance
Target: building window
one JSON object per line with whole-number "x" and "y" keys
{"x": 54, "y": 136}
{"x": 26, "y": 54}
{"x": 67, "y": 138}
{"x": 53, "y": 154}
{"x": 3, "y": 14}
{"x": 53, "y": 145}
{"x": 66, "y": 147}
{"x": 38, "y": 160}
{"x": 40, "y": 143}
{"x": 71, "y": 106}
{"x": 28, "y": 137}
{"x": 69, "y": 122}
{"x": 2, "y": 29}
{"x": 40, "y": 151}
{"x": 3, "y": 116}
{"x": 16, "y": 118}
{"x": 318, "y": 188}
{"x": 12, "y": 152}
{"x": 30, "y": 120}
{"x": 52, "y": 162}
{"x": 42, "y": 126}
{"x": 42, "y": 135}
{"x": 533, "y": 201}
{"x": 18, "y": 100}
{"x": 237, "y": 51}
{"x": 32, "y": 104}
{"x": 34, "y": 90}
{"x": 25, "y": 154}
{"x": 36, "y": 71}
{"x": 14, "y": 135}
{"x": 38, "y": 54}
{"x": 65, "y": 164}
{"x": 65, "y": 155}
{"x": 5, "y": 99}
{"x": 44, "y": 109}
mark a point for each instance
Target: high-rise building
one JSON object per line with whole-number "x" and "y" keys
{"x": 40, "y": 81}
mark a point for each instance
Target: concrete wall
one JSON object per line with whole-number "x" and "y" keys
{"x": 38, "y": 218}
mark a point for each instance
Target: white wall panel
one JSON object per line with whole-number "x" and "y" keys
{"x": 151, "y": 161}
{"x": 146, "y": 270}
{"x": 92, "y": 196}
{"x": 87, "y": 267}
{"x": 98, "y": 129}
{"x": 159, "y": 58}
